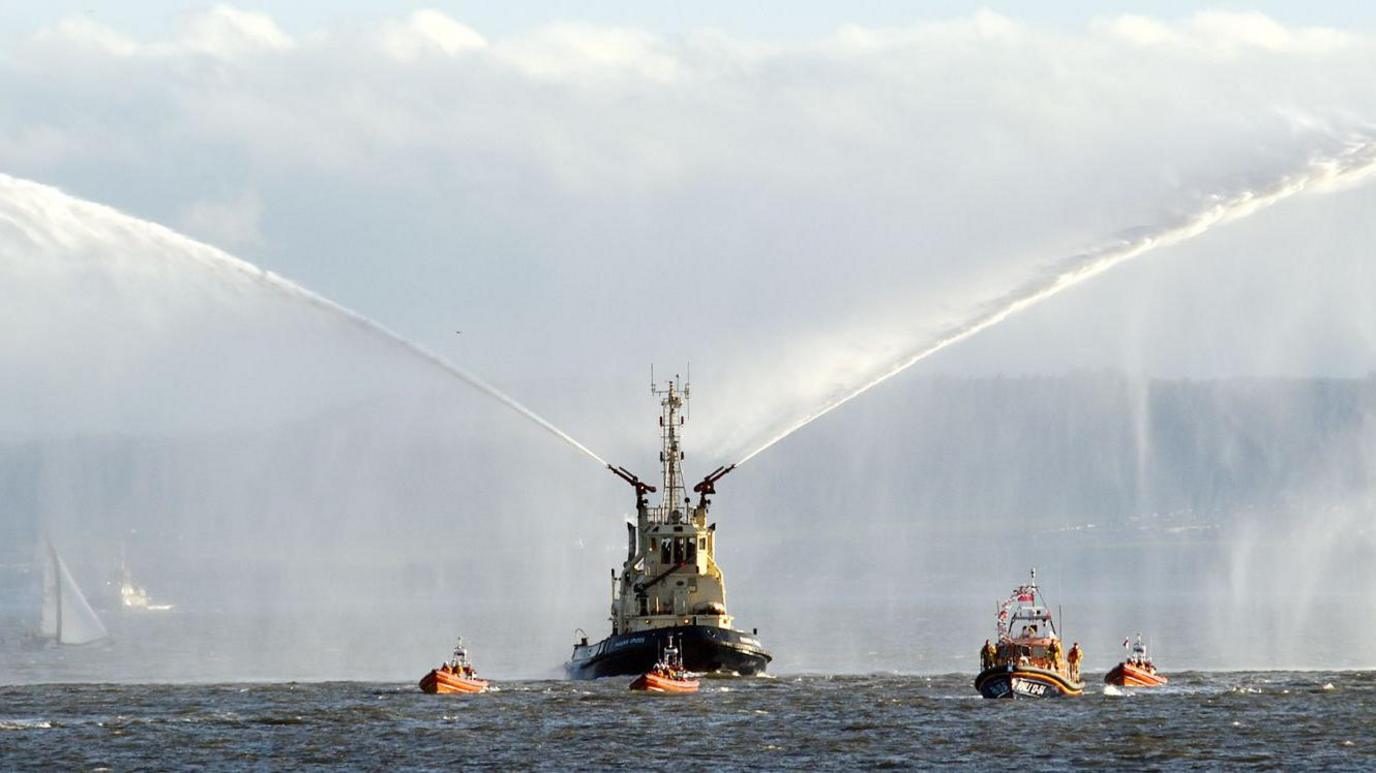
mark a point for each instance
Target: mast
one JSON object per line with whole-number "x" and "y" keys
{"x": 672, "y": 402}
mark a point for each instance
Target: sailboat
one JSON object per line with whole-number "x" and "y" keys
{"x": 67, "y": 617}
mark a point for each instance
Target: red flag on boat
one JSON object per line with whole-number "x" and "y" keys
{"x": 1024, "y": 597}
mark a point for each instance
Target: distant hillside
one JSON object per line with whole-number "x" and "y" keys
{"x": 951, "y": 454}
{"x": 975, "y": 453}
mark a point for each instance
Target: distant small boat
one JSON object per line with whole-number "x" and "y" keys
{"x": 67, "y": 617}
{"x": 667, "y": 675}
{"x": 134, "y": 597}
{"x": 1136, "y": 670}
{"x": 456, "y": 676}
{"x": 1028, "y": 661}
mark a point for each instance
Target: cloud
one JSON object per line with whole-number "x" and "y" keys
{"x": 80, "y": 32}
{"x": 424, "y": 32}
{"x": 227, "y": 31}
{"x": 222, "y": 31}
{"x": 1227, "y": 33}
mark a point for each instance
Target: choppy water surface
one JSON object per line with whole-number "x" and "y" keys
{"x": 1290, "y": 719}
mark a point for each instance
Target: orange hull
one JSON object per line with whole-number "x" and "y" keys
{"x": 655, "y": 683}
{"x": 1128, "y": 675}
{"x": 443, "y": 682}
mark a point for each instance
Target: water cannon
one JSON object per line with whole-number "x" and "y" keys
{"x": 641, "y": 488}
{"x": 708, "y": 485}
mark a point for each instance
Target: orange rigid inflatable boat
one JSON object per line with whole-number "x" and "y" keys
{"x": 456, "y": 676}
{"x": 652, "y": 681}
{"x": 667, "y": 675}
{"x": 1129, "y": 675}
{"x": 1136, "y": 670}
{"x": 442, "y": 681}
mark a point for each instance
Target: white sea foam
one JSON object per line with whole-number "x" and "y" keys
{"x": 25, "y": 724}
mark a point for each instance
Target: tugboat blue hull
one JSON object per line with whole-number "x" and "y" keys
{"x": 1025, "y": 682}
{"x": 706, "y": 649}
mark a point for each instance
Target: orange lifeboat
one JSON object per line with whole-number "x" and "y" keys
{"x": 667, "y": 675}
{"x": 456, "y": 676}
{"x": 654, "y": 681}
{"x": 1126, "y": 674}
{"x": 1136, "y": 670}
{"x": 443, "y": 681}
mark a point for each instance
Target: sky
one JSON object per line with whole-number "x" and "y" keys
{"x": 768, "y": 20}
{"x": 791, "y": 202}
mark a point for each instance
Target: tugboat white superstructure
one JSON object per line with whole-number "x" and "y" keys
{"x": 670, "y": 588}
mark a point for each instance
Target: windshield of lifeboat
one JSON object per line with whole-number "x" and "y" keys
{"x": 1031, "y": 623}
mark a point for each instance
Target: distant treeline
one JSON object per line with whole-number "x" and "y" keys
{"x": 955, "y": 453}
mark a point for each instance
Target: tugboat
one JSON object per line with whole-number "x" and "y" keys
{"x": 455, "y": 676}
{"x": 1028, "y": 661}
{"x": 1136, "y": 670}
{"x": 667, "y": 675}
{"x": 670, "y": 588}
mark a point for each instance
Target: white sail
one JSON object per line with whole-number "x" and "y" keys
{"x": 67, "y": 616}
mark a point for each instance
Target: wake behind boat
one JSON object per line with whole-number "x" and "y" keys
{"x": 1028, "y": 661}
{"x": 670, "y": 588}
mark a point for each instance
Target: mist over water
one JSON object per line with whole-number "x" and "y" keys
{"x": 1182, "y": 447}
{"x": 355, "y": 531}
{"x": 250, "y": 447}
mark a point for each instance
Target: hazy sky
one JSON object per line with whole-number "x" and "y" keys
{"x": 777, "y": 20}
{"x": 787, "y": 196}
{"x": 792, "y": 197}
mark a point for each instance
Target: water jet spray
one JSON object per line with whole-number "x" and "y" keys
{"x": 27, "y": 195}
{"x": 1356, "y": 162}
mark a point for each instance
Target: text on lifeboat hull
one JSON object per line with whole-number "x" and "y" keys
{"x": 1026, "y": 682}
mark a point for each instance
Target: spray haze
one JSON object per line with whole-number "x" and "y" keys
{"x": 330, "y": 493}
{"x": 1350, "y": 167}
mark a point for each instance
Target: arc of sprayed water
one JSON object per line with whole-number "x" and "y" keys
{"x": 215, "y": 257}
{"x": 1355, "y": 162}
{"x": 434, "y": 359}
